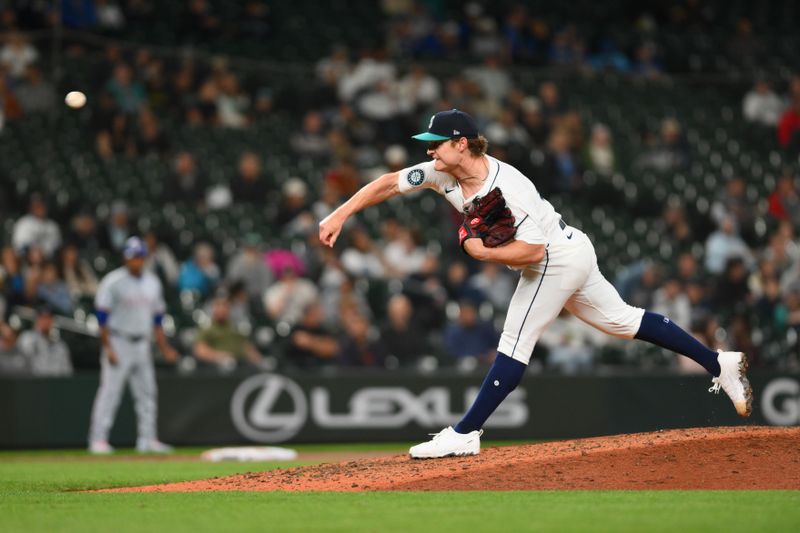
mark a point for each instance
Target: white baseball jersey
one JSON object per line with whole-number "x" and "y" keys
{"x": 537, "y": 221}
{"x": 568, "y": 276}
{"x": 131, "y": 302}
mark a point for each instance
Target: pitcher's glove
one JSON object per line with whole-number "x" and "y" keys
{"x": 489, "y": 219}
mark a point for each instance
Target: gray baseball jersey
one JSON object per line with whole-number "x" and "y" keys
{"x": 130, "y": 301}
{"x": 567, "y": 277}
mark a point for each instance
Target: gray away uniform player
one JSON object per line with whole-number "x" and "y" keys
{"x": 557, "y": 265}
{"x": 129, "y": 306}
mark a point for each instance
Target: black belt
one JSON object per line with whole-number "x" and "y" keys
{"x": 127, "y": 337}
{"x": 562, "y": 224}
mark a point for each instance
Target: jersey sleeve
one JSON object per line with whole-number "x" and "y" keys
{"x": 159, "y": 306}
{"x": 423, "y": 175}
{"x": 104, "y": 299}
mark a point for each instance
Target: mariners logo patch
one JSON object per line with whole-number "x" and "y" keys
{"x": 416, "y": 177}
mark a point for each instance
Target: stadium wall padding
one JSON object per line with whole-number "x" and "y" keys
{"x": 345, "y": 407}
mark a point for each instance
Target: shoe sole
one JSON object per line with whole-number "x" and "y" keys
{"x": 453, "y": 454}
{"x": 745, "y": 408}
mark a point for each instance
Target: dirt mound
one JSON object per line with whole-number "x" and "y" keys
{"x": 704, "y": 458}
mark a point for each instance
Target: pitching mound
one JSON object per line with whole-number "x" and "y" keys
{"x": 705, "y": 458}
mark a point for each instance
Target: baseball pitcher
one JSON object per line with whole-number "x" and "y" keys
{"x": 129, "y": 307}
{"x": 507, "y": 221}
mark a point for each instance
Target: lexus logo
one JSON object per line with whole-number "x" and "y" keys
{"x": 256, "y": 408}
{"x": 273, "y": 408}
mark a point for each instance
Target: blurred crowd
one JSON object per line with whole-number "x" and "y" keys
{"x": 393, "y": 292}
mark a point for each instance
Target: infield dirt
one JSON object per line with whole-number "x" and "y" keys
{"x": 743, "y": 457}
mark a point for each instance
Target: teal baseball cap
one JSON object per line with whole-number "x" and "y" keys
{"x": 452, "y": 124}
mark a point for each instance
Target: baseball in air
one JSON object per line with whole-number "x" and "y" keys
{"x": 75, "y": 99}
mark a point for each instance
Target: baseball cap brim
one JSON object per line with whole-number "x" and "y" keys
{"x": 428, "y": 136}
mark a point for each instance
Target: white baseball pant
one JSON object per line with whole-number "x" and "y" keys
{"x": 567, "y": 277}
{"x": 135, "y": 365}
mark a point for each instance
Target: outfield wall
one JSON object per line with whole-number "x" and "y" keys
{"x": 277, "y": 408}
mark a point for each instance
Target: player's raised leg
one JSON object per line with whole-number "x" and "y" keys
{"x": 599, "y": 304}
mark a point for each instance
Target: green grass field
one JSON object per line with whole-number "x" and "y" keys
{"x": 40, "y": 491}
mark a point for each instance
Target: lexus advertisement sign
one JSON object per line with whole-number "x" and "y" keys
{"x": 396, "y": 406}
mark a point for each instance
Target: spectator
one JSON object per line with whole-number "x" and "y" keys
{"x": 83, "y": 233}
{"x": 310, "y": 343}
{"x": 287, "y": 298}
{"x": 495, "y": 283}
{"x": 186, "y": 183}
{"x": 35, "y": 94}
{"x": 78, "y": 275}
{"x": 329, "y": 199}
{"x": 789, "y": 126}
{"x": 117, "y": 139}
{"x": 402, "y": 336}
{"x": 561, "y": 171}
{"x": 332, "y": 68}
{"x": 109, "y": 15}
{"x": 418, "y": 89}
{"x": 249, "y": 185}
{"x": 17, "y": 54}
{"x": 360, "y": 345}
{"x": 551, "y": 105}
{"x": 404, "y": 256}
{"x": 200, "y": 273}
{"x": 534, "y": 122}
{"x": 221, "y": 344}
{"x": 129, "y": 94}
{"x": 150, "y": 140}
{"x": 671, "y": 301}
{"x": 294, "y": 215}
{"x": 669, "y": 152}
{"x": 570, "y": 344}
{"x": 724, "y": 244}
{"x": 784, "y": 200}
{"x": 8, "y": 342}
{"x": 160, "y": 259}
{"x": 733, "y": 202}
{"x": 311, "y": 140}
{"x": 52, "y": 289}
{"x": 232, "y": 103}
{"x": 256, "y": 23}
{"x": 731, "y": 293}
{"x": 118, "y": 227}
{"x": 248, "y": 266}
{"x": 13, "y": 279}
{"x": 361, "y": 258}
{"x": 46, "y": 354}
{"x": 646, "y": 63}
{"x": 762, "y": 106}
{"x": 599, "y": 156}
{"x": 9, "y": 106}
{"x": 494, "y": 81}
{"x": 35, "y": 229}
{"x": 469, "y": 336}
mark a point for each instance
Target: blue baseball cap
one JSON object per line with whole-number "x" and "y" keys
{"x": 452, "y": 124}
{"x": 134, "y": 247}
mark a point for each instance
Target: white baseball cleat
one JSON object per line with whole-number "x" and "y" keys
{"x": 448, "y": 443}
{"x": 100, "y": 447}
{"x": 733, "y": 380}
{"x": 153, "y": 446}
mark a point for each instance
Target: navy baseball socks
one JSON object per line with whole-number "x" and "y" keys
{"x": 506, "y": 373}
{"x": 663, "y": 332}
{"x": 503, "y": 377}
